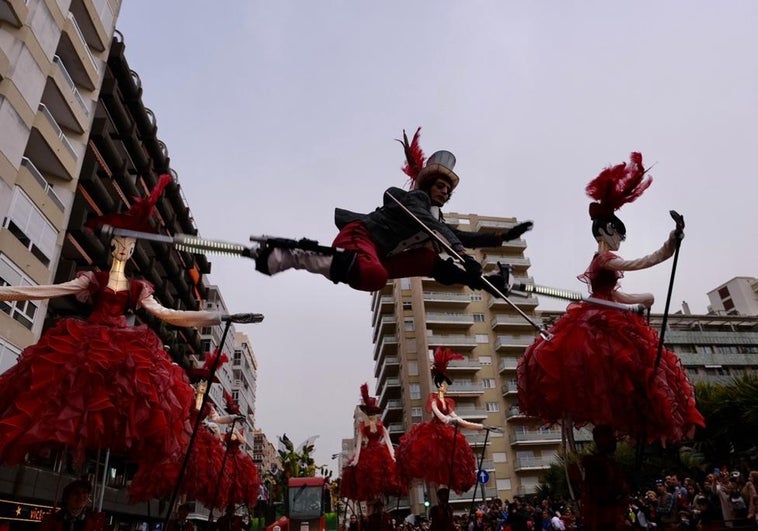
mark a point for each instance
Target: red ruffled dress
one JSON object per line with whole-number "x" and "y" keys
{"x": 428, "y": 449}
{"x": 241, "y": 483}
{"x": 375, "y": 474}
{"x": 96, "y": 383}
{"x": 200, "y": 479}
{"x": 599, "y": 368}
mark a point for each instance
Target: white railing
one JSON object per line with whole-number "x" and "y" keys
{"x": 57, "y": 128}
{"x": 46, "y": 186}
{"x": 457, "y": 317}
{"x": 57, "y": 60}
{"x": 442, "y": 340}
{"x": 83, "y": 41}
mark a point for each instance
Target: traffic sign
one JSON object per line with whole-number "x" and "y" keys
{"x": 483, "y": 476}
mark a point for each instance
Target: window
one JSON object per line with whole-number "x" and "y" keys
{"x": 412, "y": 368}
{"x": 8, "y": 355}
{"x": 485, "y": 360}
{"x": 205, "y": 345}
{"x": 416, "y": 414}
{"x": 492, "y": 407}
{"x": 20, "y": 311}
{"x": 415, "y": 391}
{"x": 31, "y": 227}
{"x": 410, "y": 345}
{"x": 408, "y": 325}
{"x": 475, "y": 297}
{"x": 206, "y": 330}
{"x": 405, "y": 283}
{"x": 503, "y": 484}
{"x": 724, "y": 292}
{"x": 488, "y": 383}
{"x": 237, "y": 356}
{"x": 482, "y": 338}
{"x": 478, "y": 317}
{"x": 728, "y": 304}
{"x": 499, "y": 457}
{"x": 407, "y": 306}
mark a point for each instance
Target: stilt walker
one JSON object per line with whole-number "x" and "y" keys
{"x": 372, "y": 470}
{"x": 601, "y": 366}
{"x": 435, "y": 450}
{"x": 99, "y": 382}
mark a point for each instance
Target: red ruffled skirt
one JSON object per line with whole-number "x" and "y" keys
{"x": 599, "y": 368}
{"x": 348, "y": 485}
{"x": 375, "y": 474}
{"x": 201, "y": 479}
{"x": 437, "y": 453}
{"x": 241, "y": 483}
{"x": 90, "y": 386}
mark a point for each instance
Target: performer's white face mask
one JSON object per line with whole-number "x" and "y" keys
{"x": 123, "y": 247}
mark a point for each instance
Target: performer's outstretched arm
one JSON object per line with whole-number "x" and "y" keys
{"x": 358, "y": 445}
{"x": 30, "y": 293}
{"x": 664, "y": 253}
{"x": 178, "y": 317}
{"x": 388, "y": 442}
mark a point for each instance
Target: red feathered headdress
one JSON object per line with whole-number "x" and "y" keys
{"x": 204, "y": 373}
{"x": 231, "y": 406}
{"x": 443, "y": 356}
{"x": 369, "y": 405}
{"x": 616, "y": 186}
{"x": 440, "y": 164}
{"x": 139, "y": 214}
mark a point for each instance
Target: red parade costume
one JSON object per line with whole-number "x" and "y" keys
{"x": 96, "y": 383}
{"x": 240, "y": 483}
{"x": 599, "y": 368}
{"x": 372, "y": 472}
{"x": 435, "y": 450}
{"x": 100, "y": 383}
{"x": 426, "y": 451}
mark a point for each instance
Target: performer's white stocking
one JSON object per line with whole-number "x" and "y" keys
{"x": 282, "y": 259}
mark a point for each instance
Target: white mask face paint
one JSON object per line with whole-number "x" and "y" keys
{"x": 122, "y": 247}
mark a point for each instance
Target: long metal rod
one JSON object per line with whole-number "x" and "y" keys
{"x": 574, "y": 296}
{"x": 102, "y": 483}
{"x": 680, "y": 223}
{"x": 221, "y": 472}
{"x": 445, "y": 245}
{"x": 196, "y": 427}
{"x": 479, "y": 469}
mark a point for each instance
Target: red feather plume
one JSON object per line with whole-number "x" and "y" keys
{"x": 617, "y": 185}
{"x": 414, "y": 156}
{"x": 364, "y": 393}
{"x": 231, "y": 406}
{"x": 443, "y": 356}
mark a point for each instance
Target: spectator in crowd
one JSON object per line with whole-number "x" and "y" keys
{"x": 74, "y": 514}
{"x": 750, "y": 493}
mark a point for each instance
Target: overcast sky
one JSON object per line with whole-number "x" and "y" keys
{"x": 274, "y": 113}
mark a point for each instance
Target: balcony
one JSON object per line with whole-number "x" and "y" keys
{"x": 45, "y": 192}
{"x": 546, "y": 436}
{"x": 390, "y": 367}
{"x": 519, "y": 343}
{"x": 508, "y": 364}
{"x": 509, "y": 321}
{"x": 526, "y": 304}
{"x": 14, "y": 12}
{"x": 488, "y": 225}
{"x": 509, "y": 388}
{"x": 396, "y": 429}
{"x": 75, "y": 52}
{"x": 476, "y": 438}
{"x": 533, "y": 463}
{"x": 387, "y": 324}
{"x": 514, "y": 413}
{"x": 390, "y": 390}
{"x": 462, "y": 390}
{"x": 49, "y": 148}
{"x": 93, "y": 27}
{"x": 471, "y": 413}
{"x": 64, "y": 101}
{"x": 450, "y": 320}
{"x": 453, "y": 341}
{"x": 385, "y": 345}
{"x": 382, "y": 303}
{"x": 447, "y": 299}
{"x": 462, "y": 366}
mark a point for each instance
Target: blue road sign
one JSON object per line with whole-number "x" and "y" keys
{"x": 483, "y": 476}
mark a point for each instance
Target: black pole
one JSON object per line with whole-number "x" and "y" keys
{"x": 221, "y": 472}
{"x": 478, "y": 469}
{"x": 452, "y": 456}
{"x": 679, "y": 219}
{"x": 196, "y": 427}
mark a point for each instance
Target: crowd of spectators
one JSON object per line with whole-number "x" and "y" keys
{"x": 722, "y": 500}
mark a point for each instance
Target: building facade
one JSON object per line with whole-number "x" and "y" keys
{"x": 411, "y": 317}
{"x": 739, "y": 296}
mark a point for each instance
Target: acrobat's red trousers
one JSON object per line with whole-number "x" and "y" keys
{"x": 370, "y": 273}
